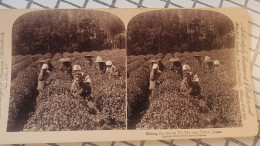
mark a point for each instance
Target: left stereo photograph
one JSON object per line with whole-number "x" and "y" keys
{"x": 68, "y": 72}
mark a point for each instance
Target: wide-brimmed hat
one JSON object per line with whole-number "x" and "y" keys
{"x": 175, "y": 59}
{"x": 88, "y": 56}
{"x": 48, "y": 60}
{"x": 99, "y": 59}
{"x": 76, "y": 68}
{"x": 153, "y": 61}
{"x": 108, "y": 62}
{"x": 41, "y": 61}
{"x": 185, "y": 67}
{"x": 65, "y": 59}
{"x": 155, "y": 66}
{"x": 207, "y": 59}
{"x": 158, "y": 60}
{"x": 197, "y": 56}
{"x": 45, "y": 66}
{"x": 216, "y": 62}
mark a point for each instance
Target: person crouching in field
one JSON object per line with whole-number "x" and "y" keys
{"x": 209, "y": 62}
{"x": 41, "y": 62}
{"x": 89, "y": 60}
{"x": 42, "y": 79}
{"x": 76, "y": 86}
{"x": 111, "y": 69}
{"x": 154, "y": 75}
{"x": 161, "y": 67}
{"x": 216, "y": 65}
{"x": 48, "y": 63}
{"x": 66, "y": 66}
{"x": 198, "y": 59}
{"x": 190, "y": 86}
{"x": 80, "y": 85}
{"x": 176, "y": 67}
{"x": 101, "y": 64}
{"x": 50, "y": 66}
{"x": 77, "y": 71}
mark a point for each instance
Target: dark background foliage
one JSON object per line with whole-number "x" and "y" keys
{"x": 53, "y": 31}
{"x": 169, "y": 31}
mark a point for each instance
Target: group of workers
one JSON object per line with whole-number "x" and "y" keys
{"x": 80, "y": 82}
{"x": 190, "y": 81}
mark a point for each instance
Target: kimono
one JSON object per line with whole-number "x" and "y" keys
{"x": 153, "y": 79}
{"x": 42, "y": 80}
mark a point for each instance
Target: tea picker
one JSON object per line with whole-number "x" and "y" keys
{"x": 50, "y": 66}
{"x": 76, "y": 86}
{"x": 216, "y": 64}
{"x": 41, "y": 62}
{"x": 89, "y": 60}
{"x": 190, "y": 85}
{"x": 176, "y": 66}
{"x": 152, "y": 62}
{"x": 76, "y": 71}
{"x": 42, "y": 78}
{"x": 186, "y": 71}
{"x": 101, "y": 64}
{"x": 154, "y": 75}
{"x": 198, "y": 59}
{"x": 209, "y": 62}
{"x": 66, "y": 66}
{"x": 161, "y": 66}
{"x": 111, "y": 69}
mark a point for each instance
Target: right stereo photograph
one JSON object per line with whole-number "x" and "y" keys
{"x": 181, "y": 71}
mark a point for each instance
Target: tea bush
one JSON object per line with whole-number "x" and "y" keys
{"x": 57, "y": 109}
{"x": 168, "y": 108}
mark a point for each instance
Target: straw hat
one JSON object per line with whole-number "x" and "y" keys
{"x": 208, "y": 59}
{"x": 158, "y": 60}
{"x": 99, "y": 59}
{"x": 48, "y": 60}
{"x": 197, "y": 56}
{"x": 45, "y": 66}
{"x": 153, "y": 61}
{"x": 216, "y": 62}
{"x": 108, "y": 62}
{"x": 155, "y": 66}
{"x": 185, "y": 67}
{"x": 175, "y": 59}
{"x": 65, "y": 59}
{"x": 88, "y": 56}
{"x": 41, "y": 61}
{"x": 76, "y": 68}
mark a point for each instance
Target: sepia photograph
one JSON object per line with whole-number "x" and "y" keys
{"x": 88, "y": 75}
{"x": 68, "y": 72}
{"x": 181, "y": 71}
